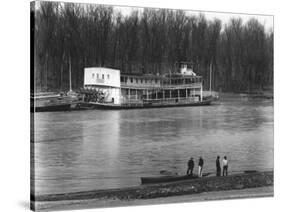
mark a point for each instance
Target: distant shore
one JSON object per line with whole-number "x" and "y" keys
{"x": 261, "y": 94}
{"x": 172, "y": 192}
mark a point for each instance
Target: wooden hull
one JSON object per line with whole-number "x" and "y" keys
{"x": 109, "y": 106}
{"x": 45, "y": 103}
{"x": 166, "y": 179}
{"x": 60, "y": 107}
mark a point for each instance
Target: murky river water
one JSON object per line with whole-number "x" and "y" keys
{"x": 88, "y": 150}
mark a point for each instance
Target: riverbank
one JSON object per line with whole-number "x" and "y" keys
{"x": 204, "y": 196}
{"x": 258, "y": 94}
{"x": 149, "y": 194}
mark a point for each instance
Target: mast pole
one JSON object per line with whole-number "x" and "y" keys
{"x": 201, "y": 93}
{"x": 70, "y": 85}
{"x": 211, "y": 77}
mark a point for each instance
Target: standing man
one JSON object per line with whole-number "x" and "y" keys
{"x": 200, "y": 167}
{"x": 190, "y": 166}
{"x": 218, "y": 165}
{"x": 225, "y": 166}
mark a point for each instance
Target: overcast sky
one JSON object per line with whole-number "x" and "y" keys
{"x": 266, "y": 20}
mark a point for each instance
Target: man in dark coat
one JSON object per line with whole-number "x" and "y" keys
{"x": 190, "y": 166}
{"x": 218, "y": 165}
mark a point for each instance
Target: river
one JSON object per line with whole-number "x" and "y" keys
{"x": 94, "y": 149}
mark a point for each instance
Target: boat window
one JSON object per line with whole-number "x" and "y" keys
{"x": 93, "y": 76}
{"x": 108, "y": 76}
{"x": 131, "y": 80}
{"x": 103, "y": 76}
{"x": 141, "y": 80}
{"x": 97, "y": 75}
{"x": 136, "y": 80}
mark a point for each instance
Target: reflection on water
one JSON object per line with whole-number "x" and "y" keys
{"x": 87, "y": 150}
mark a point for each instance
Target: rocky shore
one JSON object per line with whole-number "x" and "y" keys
{"x": 207, "y": 184}
{"x": 258, "y": 184}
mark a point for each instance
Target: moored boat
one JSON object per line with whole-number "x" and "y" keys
{"x": 46, "y": 102}
{"x": 166, "y": 179}
{"x": 170, "y": 178}
{"x": 106, "y": 88}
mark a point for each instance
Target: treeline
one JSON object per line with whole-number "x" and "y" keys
{"x": 73, "y": 36}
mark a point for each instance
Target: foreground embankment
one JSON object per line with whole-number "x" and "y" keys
{"x": 207, "y": 184}
{"x": 266, "y": 191}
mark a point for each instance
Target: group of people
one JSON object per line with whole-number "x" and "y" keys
{"x": 94, "y": 96}
{"x": 190, "y": 166}
{"x": 224, "y": 166}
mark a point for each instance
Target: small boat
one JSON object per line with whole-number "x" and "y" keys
{"x": 51, "y": 102}
{"x": 48, "y": 107}
{"x": 166, "y": 179}
{"x": 170, "y": 178}
{"x": 250, "y": 171}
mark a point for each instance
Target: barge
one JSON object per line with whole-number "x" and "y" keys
{"x": 106, "y": 88}
{"x": 45, "y": 102}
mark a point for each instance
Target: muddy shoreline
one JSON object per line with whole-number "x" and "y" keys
{"x": 207, "y": 184}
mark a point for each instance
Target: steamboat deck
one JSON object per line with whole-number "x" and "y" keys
{"x": 106, "y": 89}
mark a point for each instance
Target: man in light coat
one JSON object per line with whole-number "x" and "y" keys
{"x": 225, "y": 166}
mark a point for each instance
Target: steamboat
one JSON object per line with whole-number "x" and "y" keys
{"x": 106, "y": 88}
